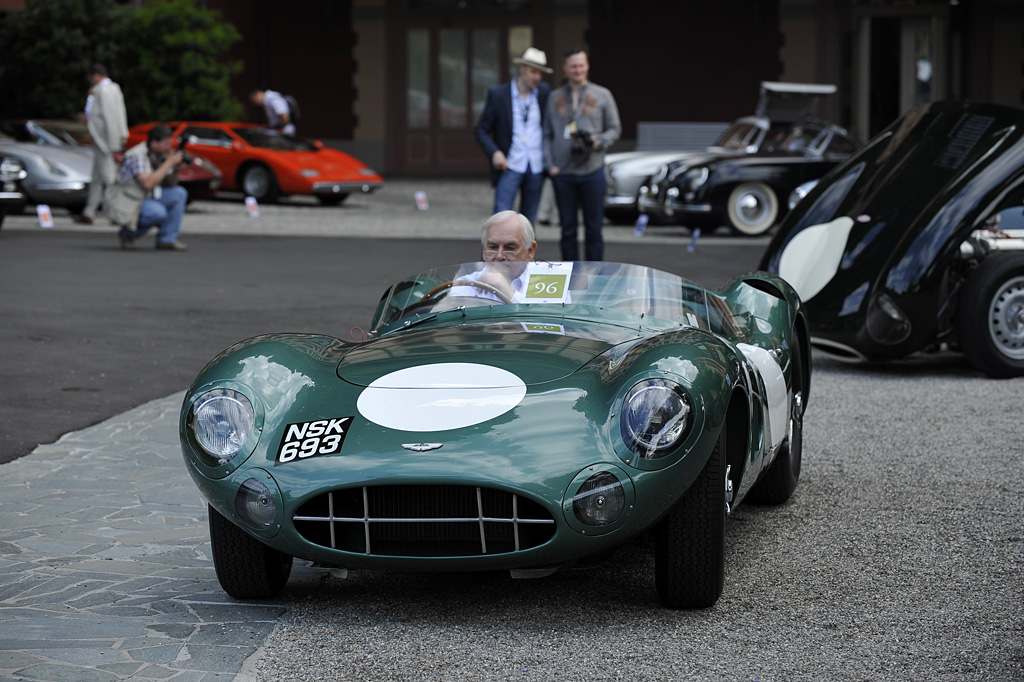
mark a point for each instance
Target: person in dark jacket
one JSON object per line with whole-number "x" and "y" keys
{"x": 511, "y": 133}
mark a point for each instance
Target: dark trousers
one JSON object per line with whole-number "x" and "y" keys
{"x": 585, "y": 192}
{"x": 527, "y": 185}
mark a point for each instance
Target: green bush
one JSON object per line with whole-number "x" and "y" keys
{"x": 169, "y": 58}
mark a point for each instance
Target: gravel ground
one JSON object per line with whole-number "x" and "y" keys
{"x": 899, "y": 557}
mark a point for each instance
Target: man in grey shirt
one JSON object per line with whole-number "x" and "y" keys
{"x": 582, "y": 122}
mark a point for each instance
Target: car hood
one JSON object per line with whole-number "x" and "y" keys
{"x": 327, "y": 161}
{"x": 685, "y": 162}
{"x": 644, "y": 163}
{"x": 525, "y": 353}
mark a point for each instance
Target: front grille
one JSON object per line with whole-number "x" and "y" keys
{"x": 424, "y": 521}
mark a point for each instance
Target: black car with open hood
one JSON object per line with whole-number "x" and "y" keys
{"x": 916, "y": 242}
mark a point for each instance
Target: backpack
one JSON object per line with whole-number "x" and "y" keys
{"x": 294, "y": 113}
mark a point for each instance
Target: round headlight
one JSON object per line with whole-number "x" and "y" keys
{"x": 221, "y": 421}
{"x": 693, "y": 179}
{"x": 655, "y": 415}
{"x": 255, "y": 504}
{"x": 600, "y": 500}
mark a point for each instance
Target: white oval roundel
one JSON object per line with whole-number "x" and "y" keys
{"x": 442, "y": 396}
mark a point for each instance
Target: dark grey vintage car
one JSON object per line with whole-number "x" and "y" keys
{"x": 916, "y": 242}
{"x": 744, "y": 180}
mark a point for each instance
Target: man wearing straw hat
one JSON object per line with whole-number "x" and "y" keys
{"x": 511, "y": 133}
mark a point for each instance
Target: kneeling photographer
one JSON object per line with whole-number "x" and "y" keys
{"x": 582, "y": 122}
{"x": 147, "y": 194}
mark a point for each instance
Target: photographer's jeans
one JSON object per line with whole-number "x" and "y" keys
{"x": 527, "y": 185}
{"x": 165, "y": 212}
{"x": 586, "y": 192}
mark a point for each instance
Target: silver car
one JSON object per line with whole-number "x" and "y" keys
{"x": 54, "y": 175}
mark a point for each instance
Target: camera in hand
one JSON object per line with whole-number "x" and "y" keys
{"x": 582, "y": 145}
{"x": 181, "y": 148}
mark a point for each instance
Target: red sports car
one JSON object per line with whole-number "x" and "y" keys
{"x": 266, "y": 165}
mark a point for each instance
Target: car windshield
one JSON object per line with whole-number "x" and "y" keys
{"x": 26, "y": 132}
{"x": 739, "y": 136}
{"x": 562, "y": 288}
{"x": 271, "y": 139}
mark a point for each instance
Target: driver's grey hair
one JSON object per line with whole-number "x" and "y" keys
{"x": 502, "y": 216}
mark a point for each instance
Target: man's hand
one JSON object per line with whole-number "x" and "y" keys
{"x": 499, "y": 161}
{"x": 498, "y": 281}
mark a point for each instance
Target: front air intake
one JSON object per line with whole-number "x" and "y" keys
{"x": 424, "y": 521}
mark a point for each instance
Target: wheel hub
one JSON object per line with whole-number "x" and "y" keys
{"x": 751, "y": 207}
{"x": 1006, "y": 318}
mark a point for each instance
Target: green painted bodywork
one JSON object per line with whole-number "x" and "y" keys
{"x": 567, "y": 422}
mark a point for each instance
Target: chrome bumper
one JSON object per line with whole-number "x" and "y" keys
{"x": 329, "y": 188}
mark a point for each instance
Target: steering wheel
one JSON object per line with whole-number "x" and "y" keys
{"x": 467, "y": 283}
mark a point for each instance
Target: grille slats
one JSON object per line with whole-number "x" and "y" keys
{"x": 424, "y": 521}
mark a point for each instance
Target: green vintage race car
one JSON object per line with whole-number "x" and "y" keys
{"x": 524, "y": 417}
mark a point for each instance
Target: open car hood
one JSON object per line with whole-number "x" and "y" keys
{"x": 791, "y": 101}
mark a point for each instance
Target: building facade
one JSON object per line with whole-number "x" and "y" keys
{"x": 401, "y": 83}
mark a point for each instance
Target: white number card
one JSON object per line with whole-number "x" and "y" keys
{"x": 547, "y": 282}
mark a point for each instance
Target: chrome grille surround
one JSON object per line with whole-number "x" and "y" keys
{"x": 424, "y": 521}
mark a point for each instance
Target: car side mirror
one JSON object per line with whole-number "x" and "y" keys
{"x": 318, "y": 144}
{"x": 237, "y": 146}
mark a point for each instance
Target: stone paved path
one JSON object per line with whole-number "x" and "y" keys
{"x": 105, "y": 569}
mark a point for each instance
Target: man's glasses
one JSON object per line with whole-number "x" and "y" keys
{"x": 503, "y": 250}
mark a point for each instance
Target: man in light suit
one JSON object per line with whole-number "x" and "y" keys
{"x": 511, "y": 133}
{"x": 108, "y": 127}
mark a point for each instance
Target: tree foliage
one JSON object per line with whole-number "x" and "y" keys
{"x": 169, "y": 58}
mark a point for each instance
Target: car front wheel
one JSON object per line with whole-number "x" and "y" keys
{"x": 753, "y": 208}
{"x": 689, "y": 549}
{"x": 259, "y": 182}
{"x": 991, "y": 316}
{"x": 246, "y": 568}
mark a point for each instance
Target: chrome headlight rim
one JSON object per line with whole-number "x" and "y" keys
{"x": 211, "y": 463}
{"x": 693, "y": 179}
{"x": 651, "y": 437}
{"x": 608, "y": 475}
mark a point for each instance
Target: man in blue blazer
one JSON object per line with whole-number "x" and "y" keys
{"x": 511, "y": 133}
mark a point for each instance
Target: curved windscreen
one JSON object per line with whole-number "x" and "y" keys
{"x": 614, "y": 286}
{"x": 271, "y": 139}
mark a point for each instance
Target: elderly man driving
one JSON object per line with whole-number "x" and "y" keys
{"x": 508, "y": 244}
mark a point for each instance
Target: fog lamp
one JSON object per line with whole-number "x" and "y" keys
{"x": 254, "y": 503}
{"x": 886, "y": 322}
{"x": 600, "y": 500}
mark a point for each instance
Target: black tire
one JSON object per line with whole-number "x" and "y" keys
{"x": 778, "y": 484}
{"x": 621, "y": 216}
{"x": 246, "y": 568}
{"x": 332, "y": 199}
{"x": 990, "y": 313}
{"x": 258, "y": 181}
{"x": 753, "y": 209}
{"x": 689, "y": 549}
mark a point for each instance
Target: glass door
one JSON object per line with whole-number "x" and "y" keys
{"x": 448, "y": 71}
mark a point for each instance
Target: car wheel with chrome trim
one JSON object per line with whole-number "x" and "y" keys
{"x": 991, "y": 316}
{"x": 752, "y": 209}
